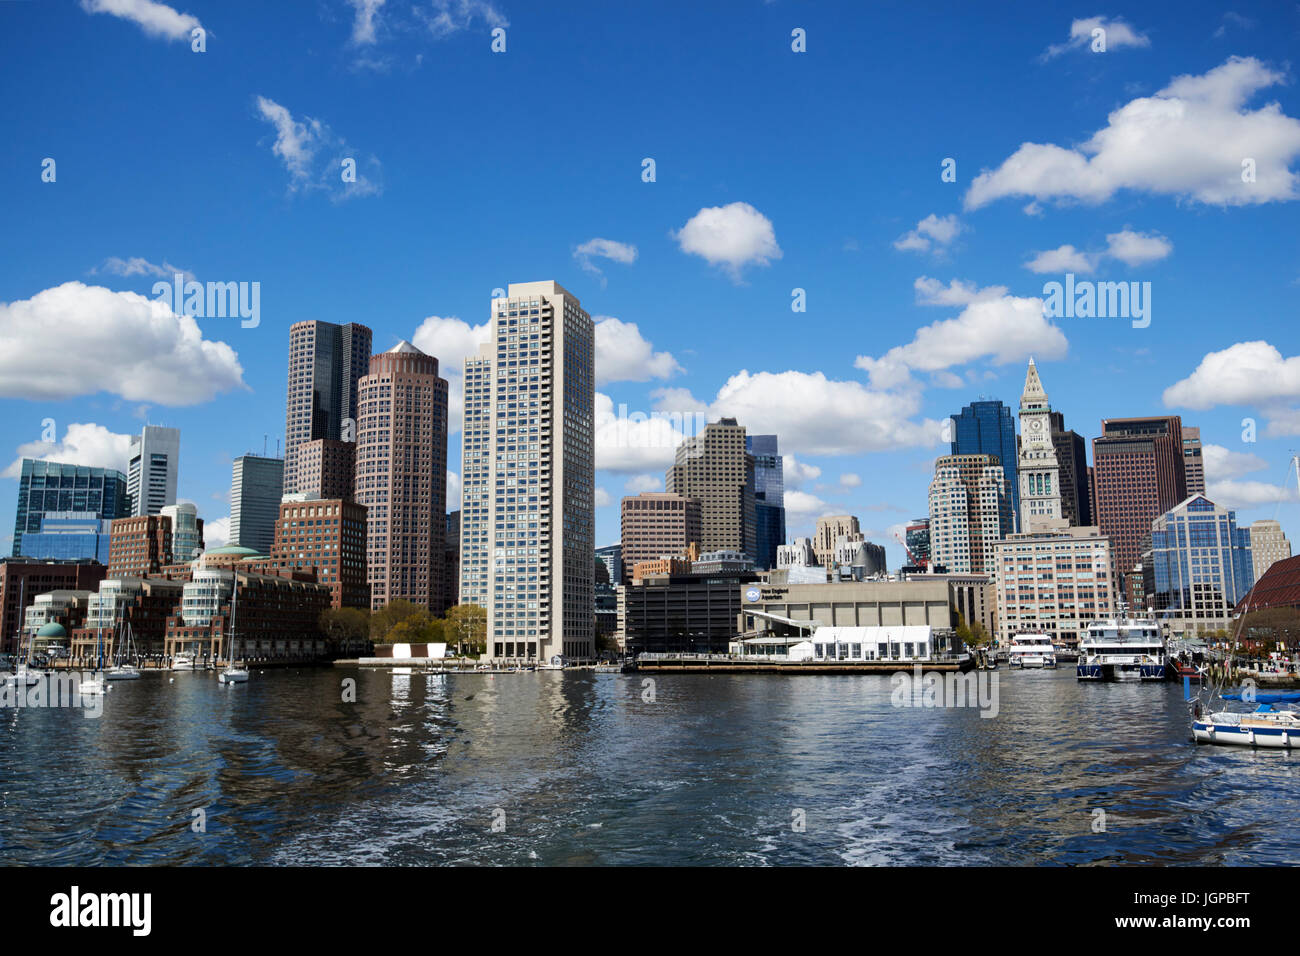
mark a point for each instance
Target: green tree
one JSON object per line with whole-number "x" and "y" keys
{"x": 979, "y": 634}
{"x": 466, "y": 626}
{"x": 389, "y": 616}
{"x": 345, "y": 626}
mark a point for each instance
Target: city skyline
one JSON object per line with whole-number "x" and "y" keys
{"x": 919, "y": 292}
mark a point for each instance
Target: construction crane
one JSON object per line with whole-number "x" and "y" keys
{"x": 908, "y": 551}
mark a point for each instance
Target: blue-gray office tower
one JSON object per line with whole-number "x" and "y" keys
{"x": 769, "y": 498}
{"x": 65, "y": 511}
{"x": 989, "y": 428}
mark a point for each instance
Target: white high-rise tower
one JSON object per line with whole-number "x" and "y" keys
{"x": 1038, "y": 471}
{"x": 528, "y": 477}
{"x": 152, "y": 466}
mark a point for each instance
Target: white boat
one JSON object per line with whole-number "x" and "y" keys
{"x": 1031, "y": 650}
{"x": 1266, "y": 726}
{"x": 93, "y": 685}
{"x": 123, "y": 669}
{"x": 22, "y": 674}
{"x": 183, "y": 662}
{"x": 233, "y": 674}
{"x": 1119, "y": 649}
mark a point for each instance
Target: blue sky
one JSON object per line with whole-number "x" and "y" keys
{"x": 775, "y": 170}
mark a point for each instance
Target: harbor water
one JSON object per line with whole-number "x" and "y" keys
{"x": 579, "y": 767}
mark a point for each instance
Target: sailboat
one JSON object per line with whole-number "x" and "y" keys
{"x": 23, "y": 675}
{"x": 233, "y": 674}
{"x": 122, "y": 652}
{"x": 94, "y": 684}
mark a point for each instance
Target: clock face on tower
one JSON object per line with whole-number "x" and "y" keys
{"x": 1036, "y": 425}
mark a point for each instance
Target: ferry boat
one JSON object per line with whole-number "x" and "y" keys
{"x": 1266, "y": 726}
{"x": 1031, "y": 650}
{"x": 1122, "y": 649}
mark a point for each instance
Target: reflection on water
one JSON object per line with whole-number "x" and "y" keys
{"x": 576, "y": 767}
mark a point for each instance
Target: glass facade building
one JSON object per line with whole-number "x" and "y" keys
{"x": 989, "y": 428}
{"x": 769, "y": 498}
{"x": 64, "y": 507}
{"x": 1199, "y": 567}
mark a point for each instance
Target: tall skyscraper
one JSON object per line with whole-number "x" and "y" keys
{"x": 658, "y": 525}
{"x": 830, "y": 528}
{"x": 1138, "y": 475}
{"x": 1072, "y": 459}
{"x": 152, "y": 468}
{"x": 715, "y": 468}
{"x": 187, "y": 530}
{"x": 401, "y": 476}
{"x": 1268, "y": 545}
{"x": 918, "y": 542}
{"x": 64, "y": 511}
{"x": 256, "y": 487}
{"x": 989, "y": 428}
{"x": 1193, "y": 462}
{"x": 1037, "y": 469}
{"x": 769, "y": 498}
{"x": 325, "y": 362}
{"x": 326, "y": 468}
{"x": 528, "y": 476}
{"x": 1198, "y": 569}
{"x": 970, "y": 511}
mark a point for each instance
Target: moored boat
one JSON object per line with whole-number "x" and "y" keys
{"x": 1031, "y": 650}
{"x": 1120, "y": 649}
{"x": 1265, "y": 726}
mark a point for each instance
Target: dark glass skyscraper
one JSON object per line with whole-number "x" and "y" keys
{"x": 61, "y": 509}
{"x": 989, "y": 428}
{"x": 769, "y": 498}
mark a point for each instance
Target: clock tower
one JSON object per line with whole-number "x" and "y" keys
{"x": 1038, "y": 472}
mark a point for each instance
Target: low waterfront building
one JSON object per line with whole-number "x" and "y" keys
{"x": 22, "y": 580}
{"x": 64, "y": 608}
{"x": 974, "y": 596}
{"x": 141, "y": 605}
{"x": 723, "y": 562}
{"x": 1054, "y": 582}
{"x": 681, "y": 613}
{"x": 905, "y": 643}
{"x": 923, "y": 601}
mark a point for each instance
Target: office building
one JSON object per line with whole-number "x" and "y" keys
{"x": 326, "y": 468}
{"x": 329, "y": 535}
{"x": 57, "y": 500}
{"x": 970, "y": 511}
{"x": 451, "y": 559}
{"x": 769, "y": 497}
{"x": 917, "y": 538}
{"x": 830, "y": 529}
{"x": 1036, "y": 467}
{"x": 140, "y": 604}
{"x": 256, "y": 486}
{"x": 22, "y": 579}
{"x": 1268, "y": 545}
{"x": 325, "y": 363}
{"x": 1053, "y": 581}
{"x": 681, "y": 612}
{"x": 1198, "y": 568}
{"x": 715, "y": 467}
{"x": 528, "y": 476}
{"x": 1138, "y": 474}
{"x": 1193, "y": 461}
{"x": 152, "y": 466}
{"x": 988, "y": 428}
{"x": 401, "y": 476}
{"x": 657, "y": 525}
{"x": 798, "y": 553}
{"x": 1072, "y": 463}
{"x": 611, "y": 555}
{"x": 187, "y": 530}
{"x": 140, "y": 546}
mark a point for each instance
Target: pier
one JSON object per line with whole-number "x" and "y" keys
{"x": 762, "y": 664}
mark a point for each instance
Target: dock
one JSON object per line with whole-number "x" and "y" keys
{"x": 730, "y": 664}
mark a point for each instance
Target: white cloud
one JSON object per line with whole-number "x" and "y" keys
{"x": 453, "y": 490}
{"x": 1248, "y": 494}
{"x": 1187, "y": 140}
{"x": 623, "y": 355}
{"x": 125, "y": 344}
{"x": 156, "y": 19}
{"x": 801, "y": 510}
{"x": 1223, "y": 463}
{"x": 1247, "y": 373}
{"x": 992, "y": 325}
{"x": 731, "y": 236}
{"x": 314, "y": 155}
{"x": 629, "y": 442}
{"x": 796, "y": 473}
{"x": 850, "y": 480}
{"x": 640, "y": 483}
{"x": 136, "y": 266}
{"x": 84, "y": 443}
{"x": 451, "y": 340}
{"x": 1117, "y": 34}
{"x": 363, "y": 27}
{"x": 1137, "y": 248}
{"x": 1063, "y": 259}
{"x": 1129, "y": 247}
{"x": 605, "y": 249}
{"x": 446, "y": 17}
{"x": 932, "y": 232}
{"x": 216, "y": 533}
{"x": 602, "y": 498}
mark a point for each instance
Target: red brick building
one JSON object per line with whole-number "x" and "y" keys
{"x": 139, "y": 547}
{"x": 328, "y": 534}
{"x": 326, "y": 468}
{"x": 21, "y": 579}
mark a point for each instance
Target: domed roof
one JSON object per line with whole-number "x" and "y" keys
{"x": 233, "y": 550}
{"x": 53, "y": 629}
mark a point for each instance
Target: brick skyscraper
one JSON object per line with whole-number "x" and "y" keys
{"x": 401, "y": 476}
